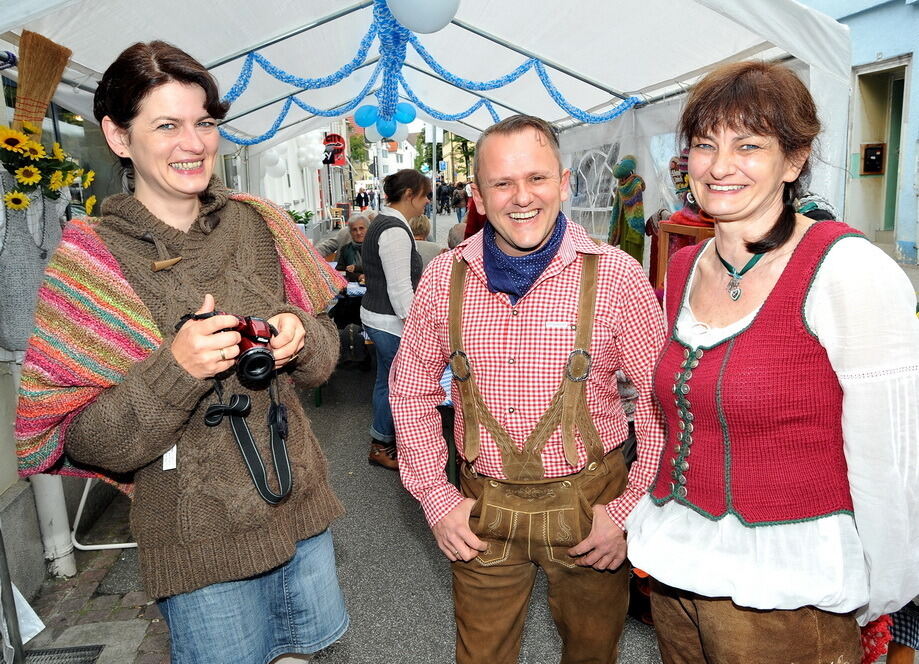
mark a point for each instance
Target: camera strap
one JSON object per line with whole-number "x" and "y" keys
{"x": 236, "y": 412}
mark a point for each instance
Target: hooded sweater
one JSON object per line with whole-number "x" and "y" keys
{"x": 203, "y": 521}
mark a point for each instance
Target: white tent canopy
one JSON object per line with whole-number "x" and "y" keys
{"x": 596, "y": 52}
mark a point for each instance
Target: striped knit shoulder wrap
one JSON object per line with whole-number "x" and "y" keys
{"x": 91, "y": 328}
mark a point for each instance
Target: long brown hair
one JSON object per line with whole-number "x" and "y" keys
{"x": 763, "y": 98}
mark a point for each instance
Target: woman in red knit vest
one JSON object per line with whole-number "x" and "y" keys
{"x": 785, "y": 511}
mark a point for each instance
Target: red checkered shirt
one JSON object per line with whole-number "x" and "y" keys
{"x": 518, "y": 353}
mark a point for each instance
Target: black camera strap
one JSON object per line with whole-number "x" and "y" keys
{"x": 236, "y": 412}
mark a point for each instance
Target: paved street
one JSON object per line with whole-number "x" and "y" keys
{"x": 397, "y": 584}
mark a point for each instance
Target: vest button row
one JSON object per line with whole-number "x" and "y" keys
{"x": 684, "y": 435}
{"x": 693, "y": 354}
{"x": 682, "y": 449}
{"x": 682, "y": 465}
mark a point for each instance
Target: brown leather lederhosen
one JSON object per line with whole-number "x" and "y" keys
{"x": 528, "y": 521}
{"x": 568, "y": 406}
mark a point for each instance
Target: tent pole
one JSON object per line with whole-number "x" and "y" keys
{"x": 434, "y": 179}
{"x": 293, "y": 33}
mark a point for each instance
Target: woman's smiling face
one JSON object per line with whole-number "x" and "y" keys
{"x": 172, "y": 143}
{"x": 736, "y": 175}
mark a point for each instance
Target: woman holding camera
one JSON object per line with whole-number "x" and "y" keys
{"x": 146, "y": 384}
{"x": 785, "y": 511}
{"x": 392, "y": 268}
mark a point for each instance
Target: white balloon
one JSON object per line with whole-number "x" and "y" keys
{"x": 303, "y": 160}
{"x": 277, "y": 170}
{"x": 302, "y": 151}
{"x": 372, "y": 134}
{"x": 401, "y": 133}
{"x": 313, "y": 164}
{"x": 270, "y": 157}
{"x": 424, "y": 16}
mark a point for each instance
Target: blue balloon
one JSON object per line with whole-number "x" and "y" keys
{"x": 405, "y": 112}
{"x": 365, "y": 116}
{"x": 386, "y": 127}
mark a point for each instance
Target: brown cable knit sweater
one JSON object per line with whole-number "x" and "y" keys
{"x": 204, "y": 522}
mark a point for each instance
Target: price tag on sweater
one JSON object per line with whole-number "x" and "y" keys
{"x": 169, "y": 459}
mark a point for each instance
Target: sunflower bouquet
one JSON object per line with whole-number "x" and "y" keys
{"x": 32, "y": 167}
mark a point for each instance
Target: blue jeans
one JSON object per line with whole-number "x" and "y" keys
{"x": 385, "y": 346}
{"x": 460, "y": 213}
{"x": 296, "y": 608}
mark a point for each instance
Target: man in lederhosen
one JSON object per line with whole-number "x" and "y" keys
{"x": 534, "y": 319}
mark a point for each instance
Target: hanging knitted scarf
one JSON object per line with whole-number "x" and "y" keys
{"x": 627, "y": 219}
{"x": 85, "y": 289}
{"x": 515, "y": 275}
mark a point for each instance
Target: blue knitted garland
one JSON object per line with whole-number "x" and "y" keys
{"x": 394, "y": 39}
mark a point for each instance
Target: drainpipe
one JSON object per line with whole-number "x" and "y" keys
{"x": 54, "y": 524}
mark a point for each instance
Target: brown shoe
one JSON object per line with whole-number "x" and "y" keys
{"x": 383, "y": 455}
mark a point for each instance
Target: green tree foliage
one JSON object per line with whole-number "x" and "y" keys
{"x": 358, "y": 148}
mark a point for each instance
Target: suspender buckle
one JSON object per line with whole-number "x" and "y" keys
{"x": 574, "y": 356}
{"x": 462, "y": 371}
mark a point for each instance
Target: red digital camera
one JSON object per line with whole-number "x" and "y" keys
{"x": 255, "y": 360}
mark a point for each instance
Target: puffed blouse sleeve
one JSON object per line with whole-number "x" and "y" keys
{"x": 862, "y": 307}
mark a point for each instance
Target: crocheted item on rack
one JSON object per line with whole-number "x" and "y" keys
{"x": 91, "y": 327}
{"x": 875, "y": 637}
{"x": 627, "y": 218}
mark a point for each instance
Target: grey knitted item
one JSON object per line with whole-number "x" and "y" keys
{"x": 23, "y": 256}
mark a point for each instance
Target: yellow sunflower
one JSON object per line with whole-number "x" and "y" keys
{"x": 90, "y": 204}
{"x": 57, "y": 152}
{"x": 16, "y": 200}
{"x": 33, "y": 150}
{"x": 69, "y": 178}
{"x": 88, "y": 178}
{"x": 30, "y": 128}
{"x": 56, "y": 181}
{"x": 12, "y": 140}
{"x": 28, "y": 175}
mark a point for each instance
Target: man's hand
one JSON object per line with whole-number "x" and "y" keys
{"x": 453, "y": 535}
{"x": 605, "y": 547}
{"x": 288, "y": 342}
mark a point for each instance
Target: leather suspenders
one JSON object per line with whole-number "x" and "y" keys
{"x": 568, "y": 407}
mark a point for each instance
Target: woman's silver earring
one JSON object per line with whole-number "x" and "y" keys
{"x": 690, "y": 198}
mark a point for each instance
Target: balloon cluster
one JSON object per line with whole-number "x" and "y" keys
{"x": 376, "y": 127}
{"x": 309, "y": 156}
{"x": 272, "y": 163}
{"x": 310, "y": 151}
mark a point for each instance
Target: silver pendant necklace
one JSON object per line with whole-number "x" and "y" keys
{"x": 734, "y": 289}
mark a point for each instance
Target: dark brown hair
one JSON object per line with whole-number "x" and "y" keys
{"x": 513, "y": 125}
{"x": 766, "y": 99}
{"x": 142, "y": 67}
{"x": 395, "y": 185}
